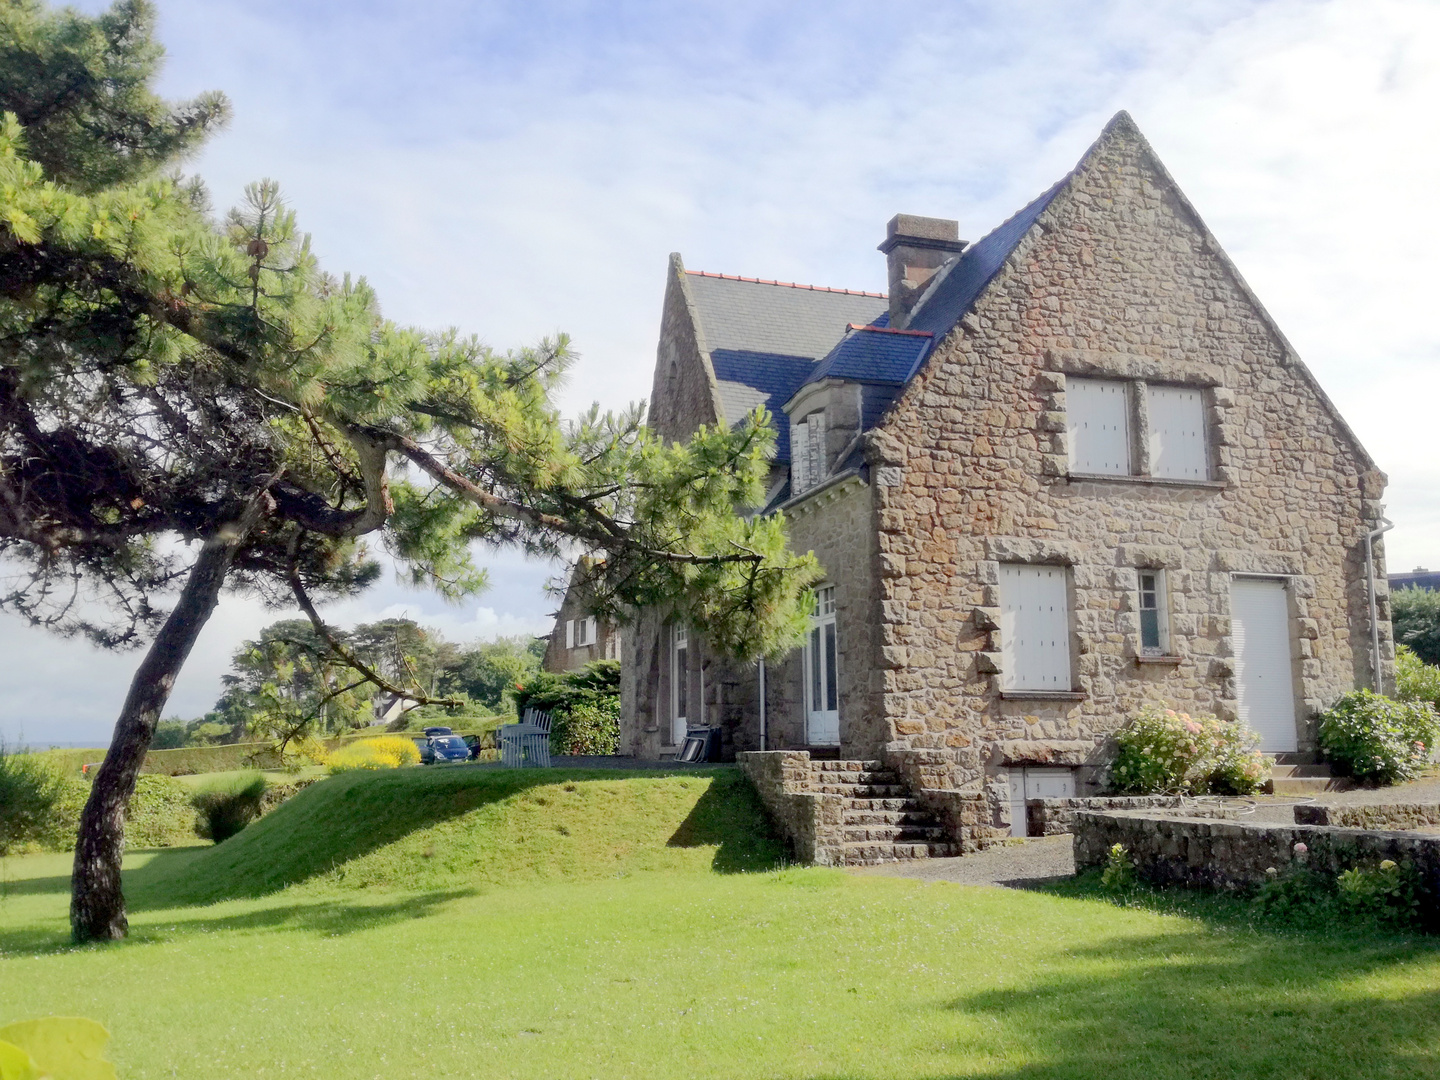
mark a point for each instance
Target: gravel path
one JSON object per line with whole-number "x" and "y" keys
{"x": 1020, "y": 862}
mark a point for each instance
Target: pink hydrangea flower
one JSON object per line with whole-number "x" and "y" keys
{"x": 1301, "y": 849}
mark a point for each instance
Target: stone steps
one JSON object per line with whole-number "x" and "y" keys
{"x": 871, "y": 853}
{"x": 895, "y": 834}
{"x": 882, "y": 821}
{"x": 1304, "y": 779}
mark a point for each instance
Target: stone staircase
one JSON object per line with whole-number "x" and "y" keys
{"x": 882, "y": 821}
{"x": 1304, "y": 779}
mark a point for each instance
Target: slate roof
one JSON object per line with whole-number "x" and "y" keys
{"x": 956, "y": 292}
{"x": 748, "y": 379}
{"x": 776, "y": 318}
{"x": 768, "y": 338}
{"x": 874, "y": 354}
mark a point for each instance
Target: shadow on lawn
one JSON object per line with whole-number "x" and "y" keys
{"x": 1222, "y": 1002}
{"x": 729, "y": 815}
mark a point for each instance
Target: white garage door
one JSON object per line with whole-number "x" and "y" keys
{"x": 1260, "y": 624}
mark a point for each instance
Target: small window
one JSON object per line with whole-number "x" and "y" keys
{"x": 1152, "y": 613}
{"x": 584, "y": 632}
{"x": 1035, "y": 627}
{"x": 1098, "y": 426}
{"x": 1177, "y": 433}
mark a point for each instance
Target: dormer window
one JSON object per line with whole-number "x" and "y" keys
{"x": 807, "y": 452}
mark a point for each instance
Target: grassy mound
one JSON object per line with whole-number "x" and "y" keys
{"x": 444, "y": 828}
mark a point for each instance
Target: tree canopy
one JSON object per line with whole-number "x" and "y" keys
{"x": 193, "y": 402}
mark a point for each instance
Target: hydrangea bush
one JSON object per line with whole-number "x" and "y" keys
{"x": 1379, "y": 741}
{"x": 1165, "y": 752}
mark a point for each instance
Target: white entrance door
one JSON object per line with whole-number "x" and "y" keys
{"x": 1264, "y": 674}
{"x": 822, "y": 687}
{"x": 1036, "y": 784}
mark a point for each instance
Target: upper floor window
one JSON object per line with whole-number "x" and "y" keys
{"x": 807, "y": 452}
{"x": 579, "y": 632}
{"x": 1099, "y": 417}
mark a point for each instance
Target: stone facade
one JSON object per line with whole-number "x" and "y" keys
{"x": 564, "y": 653}
{"x": 968, "y": 470}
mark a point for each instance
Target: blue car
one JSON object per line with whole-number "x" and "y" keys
{"x": 427, "y": 752}
{"x": 448, "y": 748}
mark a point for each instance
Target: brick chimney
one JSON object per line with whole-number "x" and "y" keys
{"x": 915, "y": 248}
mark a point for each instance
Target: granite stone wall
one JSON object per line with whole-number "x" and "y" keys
{"x": 1381, "y": 816}
{"x": 970, "y": 471}
{"x": 1216, "y": 854}
{"x": 811, "y": 822}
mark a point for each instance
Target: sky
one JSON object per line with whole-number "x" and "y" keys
{"x": 521, "y": 169}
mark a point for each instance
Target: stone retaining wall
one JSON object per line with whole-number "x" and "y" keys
{"x": 1217, "y": 854}
{"x": 1381, "y": 816}
{"x": 811, "y": 823}
{"x": 1054, "y": 817}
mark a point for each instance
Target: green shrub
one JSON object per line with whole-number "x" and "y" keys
{"x": 223, "y": 808}
{"x": 1379, "y": 741}
{"x": 1390, "y": 894}
{"x": 29, "y": 793}
{"x": 587, "y": 727}
{"x": 1297, "y": 895}
{"x": 1415, "y": 614}
{"x": 1162, "y": 751}
{"x": 1415, "y": 680}
{"x": 1119, "y": 872}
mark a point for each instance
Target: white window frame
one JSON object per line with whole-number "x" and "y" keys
{"x": 584, "y": 632}
{"x": 1098, "y": 427}
{"x": 679, "y": 682}
{"x": 1035, "y": 633}
{"x": 822, "y": 674}
{"x": 1160, "y": 594}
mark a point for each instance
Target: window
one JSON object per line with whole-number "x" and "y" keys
{"x": 1177, "y": 433}
{"x": 822, "y": 690}
{"x": 1035, "y": 627}
{"x": 1098, "y": 417}
{"x": 679, "y": 681}
{"x": 1098, "y": 422}
{"x": 807, "y": 452}
{"x": 579, "y": 633}
{"x": 1153, "y": 635}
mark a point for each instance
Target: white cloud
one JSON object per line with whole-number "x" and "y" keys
{"x": 514, "y": 169}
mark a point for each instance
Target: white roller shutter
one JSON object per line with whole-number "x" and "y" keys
{"x": 1177, "y": 433}
{"x": 1098, "y": 423}
{"x": 1035, "y": 627}
{"x": 1264, "y": 673}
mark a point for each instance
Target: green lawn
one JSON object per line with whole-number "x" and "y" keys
{"x": 483, "y": 924}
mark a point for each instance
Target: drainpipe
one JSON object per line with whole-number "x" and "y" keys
{"x": 1370, "y": 538}
{"x": 762, "y": 704}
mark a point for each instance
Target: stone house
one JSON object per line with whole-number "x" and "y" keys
{"x": 1058, "y": 473}
{"x": 578, "y": 637}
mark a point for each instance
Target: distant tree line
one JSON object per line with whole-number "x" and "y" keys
{"x": 289, "y": 681}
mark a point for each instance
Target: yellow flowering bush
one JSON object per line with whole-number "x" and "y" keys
{"x": 1162, "y": 751}
{"x": 381, "y": 752}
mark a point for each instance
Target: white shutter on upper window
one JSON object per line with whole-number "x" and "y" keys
{"x": 569, "y": 633}
{"x": 815, "y": 466}
{"x": 1035, "y": 627}
{"x": 799, "y": 449}
{"x": 1098, "y": 425}
{"x": 1177, "y": 433}
{"x": 590, "y": 630}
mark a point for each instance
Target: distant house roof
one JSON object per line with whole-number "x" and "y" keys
{"x": 1419, "y": 578}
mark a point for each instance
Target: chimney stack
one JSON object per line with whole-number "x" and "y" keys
{"x": 916, "y": 247}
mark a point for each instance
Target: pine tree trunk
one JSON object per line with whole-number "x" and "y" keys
{"x": 97, "y": 906}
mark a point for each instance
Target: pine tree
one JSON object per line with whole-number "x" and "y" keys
{"x": 166, "y": 375}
